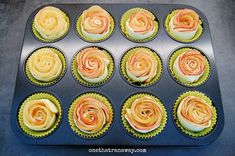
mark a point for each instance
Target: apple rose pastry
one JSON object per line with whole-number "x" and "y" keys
{"x": 93, "y": 64}
{"x": 184, "y": 24}
{"x": 39, "y": 115}
{"x": 194, "y": 113}
{"x": 90, "y": 115}
{"x": 141, "y": 66}
{"x": 141, "y": 24}
{"x": 144, "y": 115}
{"x": 51, "y": 23}
{"x": 44, "y": 65}
{"x": 96, "y": 23}
{"x": 190, "y": 66}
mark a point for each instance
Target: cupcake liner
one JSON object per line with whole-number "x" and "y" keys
{"x": 200, "y": 81}
{"x": 77, "y": 76}
{"x": 127, "y": 15}
{"x": 141, "y": 84}
{"x": 133, "y": 132}
{"x": 38, "y": 36}
{"x": 40, "y": 83}
{"x": 71, "y": 111}
{"x": 196, "y": 36}
{"x": 37, "y": 96}
{"x": 79, "y": 31}
{"x": 188, "y": 132}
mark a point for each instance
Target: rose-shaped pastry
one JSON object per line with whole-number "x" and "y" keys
{"x": 92, "y": 64}
{"x": 189, "y": 66}
{"x": 144, "y": 115}
{"x": 95, "y": 23}
{"x": 90, "y": 115}
{"x": 39, "y": 115}
{"x": 141, "y": 24}
{"x": 141, "y": 65}
{"x": 194, "y": 113}
{"x": 51, "y": 23}
{"x": 44, "y": 65}
{"x": 184, "y": 24}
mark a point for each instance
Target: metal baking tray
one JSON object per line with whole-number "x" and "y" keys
{"x": 117, "y": 89}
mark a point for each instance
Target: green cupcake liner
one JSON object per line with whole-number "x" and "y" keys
{"x": 186, "y": 131}
{"x": 196, "y": 36}
{"x": 78, "y": 27}
{"x": 73, "y": 126}
{"x": 38, "y": 36}
{"x": 200, "y": 81}
{"x": 77, "y": 76}
{"x": 141, "y": 84}
{"x": 127, "y": 15}
{"x": 133, "y": 132}
{"x": 38, "y": 96}
{"x": 41, "y": 83}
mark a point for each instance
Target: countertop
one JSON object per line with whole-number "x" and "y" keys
{"x": 221, "y": 17}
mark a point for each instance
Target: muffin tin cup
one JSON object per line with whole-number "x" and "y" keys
{"x": 116, "y": 89}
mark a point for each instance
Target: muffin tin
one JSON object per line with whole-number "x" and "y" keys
{"x": 117, "y": 90}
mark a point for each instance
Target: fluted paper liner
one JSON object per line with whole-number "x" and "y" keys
{"x": 105, "y": 128}
{"x": 196, "y": 36}
{"x": 38, "y": 96}
{"x": 127, "y": 15}
{"x": 142, "y": 84}
{"x": 186, "y": 131}
{"x": 41, "y": 83}
{"x": 203, "y": 78}
{"x": 78, "y": 77}
{"x": 133, "y": 132}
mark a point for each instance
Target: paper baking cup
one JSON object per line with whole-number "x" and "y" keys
{"x": 188, "y": 132}
{"x": 38, "y": 36}
{"x": 79, "y": 31}
{"x": 141, "y": 84}
{"x": 196, "y": 36}
{"x": 133, "y": 132}
{"x": 41, "y": 83}
{"x": 38, "y": 96}
{"x": 200, "y": 81}
{"x": 127, "y": 15}
{"x": 73, "y": 126}
{"x": 78, "y": 77}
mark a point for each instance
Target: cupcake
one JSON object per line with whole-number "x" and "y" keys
{"x": 184, "y": 25}
{"x": 39, "y": 114}
{"x": 95, "y": 24}
{"x": 93, "y": 66}
{"x": 189, "y": 66}
{"x": 45, "y": 66}
{"x": 143, "y": 115}
{"x": 139, "y": 25}
{"x": 90, "y": 115}
{"x": 50, "y": 24}
{"x": 141, "y": 66}
{"x": 194, "y": 114}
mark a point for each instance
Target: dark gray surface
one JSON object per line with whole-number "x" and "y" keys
{"x": 220, "y": 15}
